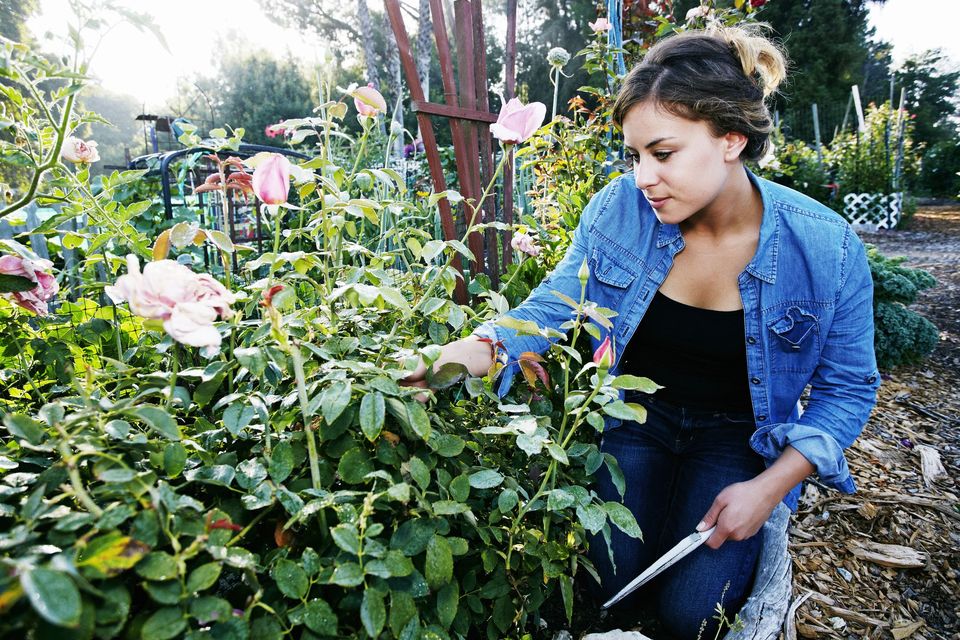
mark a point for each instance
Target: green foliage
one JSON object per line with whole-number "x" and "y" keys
{"x": 796, "y": 165}
{"x": 902, "y": 335}
{"x": 865, "y": 161}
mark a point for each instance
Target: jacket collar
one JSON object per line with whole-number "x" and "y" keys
{"x": 764, "y": 262}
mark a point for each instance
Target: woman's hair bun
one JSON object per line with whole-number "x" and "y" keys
{"x": 760, "y": 57}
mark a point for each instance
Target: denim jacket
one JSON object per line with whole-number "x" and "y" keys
{"x": 808, "y": 314}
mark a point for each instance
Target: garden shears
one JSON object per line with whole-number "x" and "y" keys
{"x": 667, "y": 560}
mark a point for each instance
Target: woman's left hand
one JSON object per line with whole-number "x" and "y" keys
{"x": 739, "y": 512}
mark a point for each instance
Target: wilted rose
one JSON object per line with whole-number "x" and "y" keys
{"x": 368, "y": 101}
{"x": 525, "y": 244}
{"x": 271, "y": 179}
{"x": 37, "y": 271}
{"x": 186, "y": 302}
{"x": 698, "y": 12}
{"x": 79, "y": 151}
{"x": 516, "y": 122}
{"x": 602, "y": 24}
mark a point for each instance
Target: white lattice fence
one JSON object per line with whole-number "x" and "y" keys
{"x": 873, "y": 211}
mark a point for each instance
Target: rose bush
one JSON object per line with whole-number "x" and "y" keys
{"x": 284, "y": 483}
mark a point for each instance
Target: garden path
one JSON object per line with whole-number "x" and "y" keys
{"x": 898, "y": 503}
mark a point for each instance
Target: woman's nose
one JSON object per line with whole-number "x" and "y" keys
{"x": 645, "y": 175}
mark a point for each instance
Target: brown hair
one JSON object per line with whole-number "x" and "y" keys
{"x": 721, "y": 75}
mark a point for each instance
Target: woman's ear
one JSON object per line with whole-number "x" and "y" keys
{"x": 734, "y": 143}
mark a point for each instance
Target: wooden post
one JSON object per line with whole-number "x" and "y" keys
{"x": 816, "y": 132}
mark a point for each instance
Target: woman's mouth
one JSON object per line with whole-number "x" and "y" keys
{"x": 656, "y": 203}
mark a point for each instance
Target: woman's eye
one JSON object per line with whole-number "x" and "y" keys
{"x": 662, "y": 155}
{"x": 631, "y": 158}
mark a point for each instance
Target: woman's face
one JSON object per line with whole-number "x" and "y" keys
{"x": 680, "y": 166}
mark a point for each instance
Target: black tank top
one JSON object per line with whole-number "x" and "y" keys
{"x": 697, "y": 355}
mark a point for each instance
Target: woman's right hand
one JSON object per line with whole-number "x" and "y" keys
{"x": 475, "y": 354}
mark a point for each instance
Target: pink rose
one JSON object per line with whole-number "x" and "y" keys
{"x": 77, "y": 151}
{"x": 37, "y": 271}
{"x": 603, "y": 357}
{"x": 186, "y": 302}
{"x": 516, "y": 122}
{"x": 523, "y": 243}
{"x": 368, "y": 101}
{"x": 602, "y": 24}
{"x": 271, "y": 179}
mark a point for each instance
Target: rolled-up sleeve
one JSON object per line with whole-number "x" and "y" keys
{"x": 843, "y": 389}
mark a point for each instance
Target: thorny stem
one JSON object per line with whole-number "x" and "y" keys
{"x": 75, "y": 481}
{"x": 436, "y": 277}
{"x": 304, "y": 411}
{"x": 174, "y": 352}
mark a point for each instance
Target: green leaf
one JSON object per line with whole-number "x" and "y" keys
{"x": 203, "y": 577}
{"x": 419, "y": 471}
{"x": 174, "y": 459}
{"x": 373, "y": 612}
{"x": 446, "y": 444}
{"x": 158, "y": 420}
{"x": 253, "y": 359}
{"x": 291, "y": 579}
{"x": 485, "y": 479}
{"x": 24, "y": 427}
{"x": 354, "y": 465}
{"x": 336, "y": 397}
{"x": 448, "y": 598}
{"x": 15, "y": 284}
{"x": 250, "y": 473}
{"x": 237, "y": 416}
{"x": 557, "y": 453}
{"x": 347, "y": 538}
{"x": 460, "y": 488}
{"x": 402, "y": 609}
{"x": 626, "y": 411}
{"x": 507, "y": 500}
{"x": 566, "y": 591}
{"x": 558, "y": 500}
{"x": 592, "y": 517}
{"x": 623, "y": 518}
{"x": 158, "y": 565}
{"x": 447, "y": 375}
{"x": 53, "y": 595}
{"x": 347, "y": 574}
{"x": 320, "y": 618}
{"x": 419, "y": 420}
{"x": 449, "y": 507}
{"x": 616, "y": 474}
{"x": 635, "y": 383}
{"x": 438, "y": 567}
{"x": 372, "y": 413}
{"x": 164, "y": 624}
{"x": 281, "y": 461}
{"x": 522, "y": 327}
{"x": 206, "y": 609}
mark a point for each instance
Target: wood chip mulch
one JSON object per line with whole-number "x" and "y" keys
{"x": 885, "y": 562}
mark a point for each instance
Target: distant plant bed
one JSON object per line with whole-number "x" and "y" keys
{"x": 903, "y": 336}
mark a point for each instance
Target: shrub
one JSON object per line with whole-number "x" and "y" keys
{"x": 902, "y": 335}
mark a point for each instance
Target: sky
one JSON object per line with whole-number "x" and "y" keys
{"x": 133, "y": 62}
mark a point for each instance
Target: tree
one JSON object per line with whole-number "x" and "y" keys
{"x": 13, "y": 18}
{"x": 932, "y": 102}
{"x": 253, "y": 90}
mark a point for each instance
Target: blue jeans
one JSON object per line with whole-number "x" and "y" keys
{"x": 675, "y": 464}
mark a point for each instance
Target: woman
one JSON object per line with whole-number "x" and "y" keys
{"x": 733, "y": 293}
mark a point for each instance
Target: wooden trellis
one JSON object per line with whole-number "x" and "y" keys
{"x": 468, "y": 112}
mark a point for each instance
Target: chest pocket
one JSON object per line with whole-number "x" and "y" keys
{"x": 613, "y": 280}
{"x": 795, "y": 341}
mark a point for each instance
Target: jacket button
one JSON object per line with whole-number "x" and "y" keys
{"x": 761, "y": 418}
{"x": 751, "y": 340}
{"x": 871, "y": 379}
{"x": 755, "y": 380}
